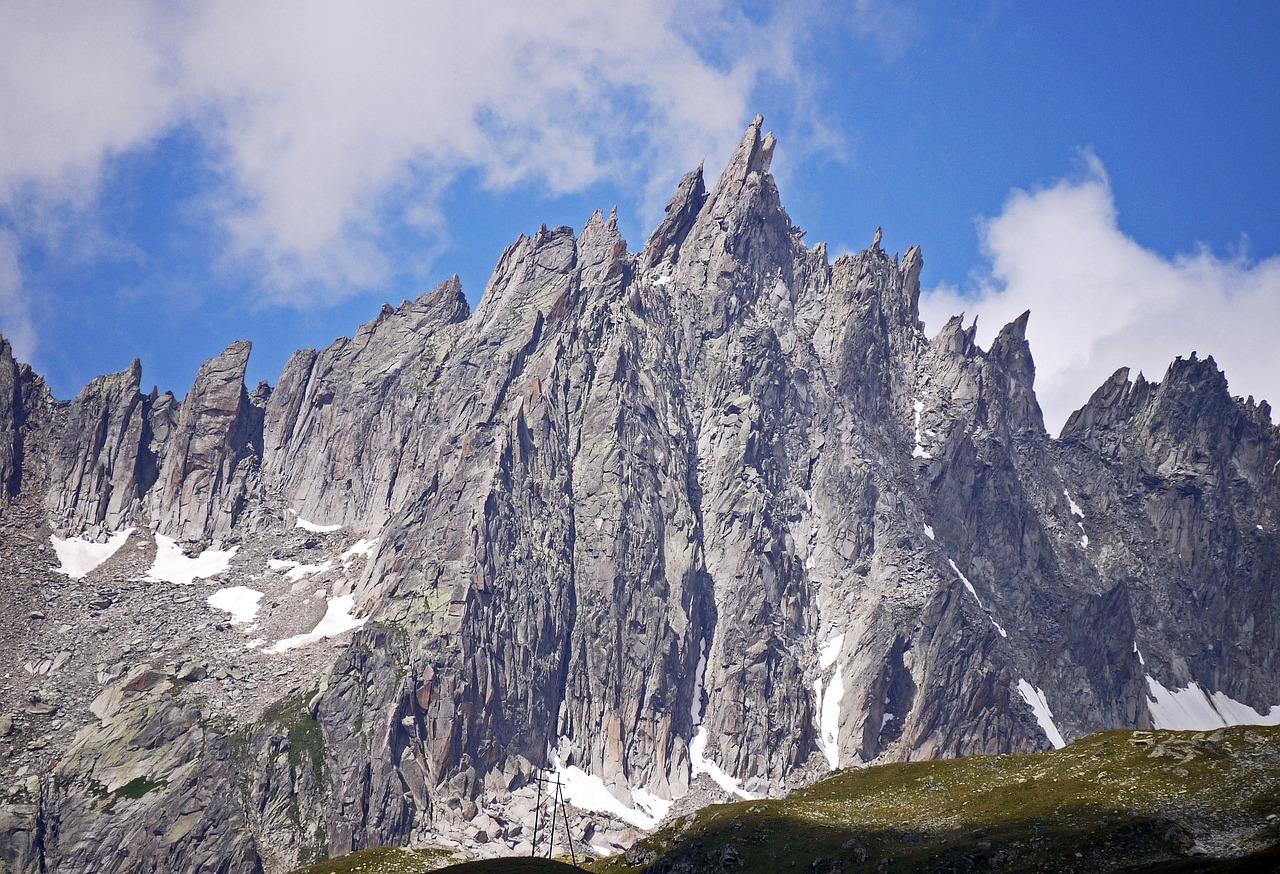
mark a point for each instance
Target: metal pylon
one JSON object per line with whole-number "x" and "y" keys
{"x": 558, "y": 805}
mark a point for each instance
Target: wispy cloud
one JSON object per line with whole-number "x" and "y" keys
{"x": 891, "y": 24}
{"x": 1099, "y": 300}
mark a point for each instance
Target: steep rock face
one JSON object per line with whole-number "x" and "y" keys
{"x": 103, "y": 465}
{"x": 10, "y": 412}
{"x": 685, "y": 474}
{"x": 122, "y": 458}
{"x": 214, "y": 452}
{"x": 339, "y": 458}
{"x": 542, "y": 609}
{"x": 1186, "y": 477}
{"x": 711, "y": 518}
{"x": 26, "y": 409}
{"x": 999, "y": 510}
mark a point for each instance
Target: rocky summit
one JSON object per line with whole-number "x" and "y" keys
{"x": 696, "y": 523}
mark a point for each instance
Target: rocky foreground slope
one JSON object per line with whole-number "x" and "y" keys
{"x": 707, "y": 519}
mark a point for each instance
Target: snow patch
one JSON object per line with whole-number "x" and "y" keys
{"x": 928, "y": 532}
{"x": 1079, "y": 514}
{"x": 172, "y": 565}
{"x": 655, "y": 805}
{"x": 337, "y": 619}
{"x": 1236, "y": 713}
{"x": 588, "y": 792}
{"x": 1040, "y": 707}
{"x": 296, "y": 570}
{"x": 240, "y": 601}
{"x": 700, "y": 764}
{"x": 358, "y": 549}
{"x": 999, "y": 627}
{"x": 1075, "y": 508}
{"x": 1190, "y": 709}
{"x": 829, "y": 652}
{"x": 968, "y": 585}
{"x": 919, "y": 451}
{"x": 829, "y": 734}
{"x": 78, "y": 557}
{"x": 1138, "y": 652}
{"x": 314, "y": 527}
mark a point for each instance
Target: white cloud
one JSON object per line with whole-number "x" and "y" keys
{"x": 15, "y": 316}
{"x": 81, "y": 82}
{"x": 329, "y": 122}
{"x": 1099, "y": 300}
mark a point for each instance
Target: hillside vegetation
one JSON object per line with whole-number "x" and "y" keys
{"x": 1117, "y": 800}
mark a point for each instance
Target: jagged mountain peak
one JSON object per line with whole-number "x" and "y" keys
{"x": 701, "y": 522}
{"x": 682, "y": 211}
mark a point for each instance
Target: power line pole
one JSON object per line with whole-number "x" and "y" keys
{"x": 558, "y": 804}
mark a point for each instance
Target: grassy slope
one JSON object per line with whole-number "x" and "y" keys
{"x": 390, "y": 860}
{"x": 1112, "y": 801}
{"x": 1117, "y": 800}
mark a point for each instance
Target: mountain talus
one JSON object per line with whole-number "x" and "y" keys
{"x": 713, "y": 518}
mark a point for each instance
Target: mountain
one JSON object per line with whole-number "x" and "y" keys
{"x": 706, "y": 520}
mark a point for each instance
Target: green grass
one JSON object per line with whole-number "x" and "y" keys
{"x": 511, "y": 865}
{"x": 382, "y": 860}
{"x": 392, "y": 860}
{"x": 139, "y": 786}
{"x": 1114, "y": 800}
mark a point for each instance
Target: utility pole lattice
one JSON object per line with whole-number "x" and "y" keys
{"x": 558, "y": 805}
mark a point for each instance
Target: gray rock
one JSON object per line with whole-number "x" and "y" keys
{"x": 103, "y": 464}
{"x": 213, "y": 453}
{"x": 651, "y": 515}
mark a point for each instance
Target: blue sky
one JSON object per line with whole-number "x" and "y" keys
{"x": 174, "y": 179}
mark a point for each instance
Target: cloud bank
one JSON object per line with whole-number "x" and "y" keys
{"x": 1100, "y": 301}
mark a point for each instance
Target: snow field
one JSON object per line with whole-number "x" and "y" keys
{"x": 829, "y": 652}
{"x": 337, "y": 619}
{"x": 172, "y": 565}
{"x": 1190, "y": 709}
{"x": 702, "y": 765}
{"x": 358, "y": 549}
{"x": 1079, "y": 514}
{"x": 296, "y": 570}
{"x": 77, "y": 557}
{"x": 240, "y": 601}
{"x": 314, "y": 527}
{"x": 588, "y": 792}
{"x": 827, "y": 701}
{"x": 968, "y": 585}
{"x": 829, "y": 737}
